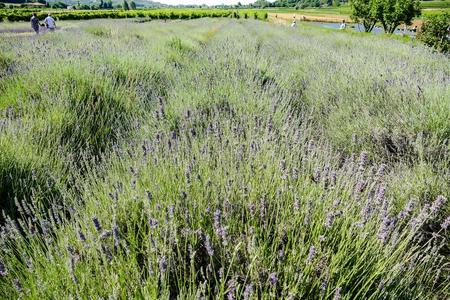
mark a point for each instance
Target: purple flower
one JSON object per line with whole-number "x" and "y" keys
{"x": 3, "y": 271}
{"x": 384, "y": 230}
{"x": 329, "y": 220}
{"x": 317, "y": 174}
{"x": 162, "y": 264}
{"x": 421, "y": 218}
{"x": 381, "y": 193}
{"x": 97, "y": 225}
{"x": 81, "y": 236}
{"x": 296, "y": 204}
{"x": 231, "y": 290}
{"x": 208, "y": 246}
{"x": 116, "y": 236}
{"x": 437, "y": 204}
{"x": 311, "y": 254}
{"x": 406, "y": 211}
{"x": 362, "y": 160}
{"x": 248, "y": 292}
{"x": 105, "y": 234}
{"x": 337, "y": 294}
{"x": 17, "y": 285}
{"x": 381, "y": 170}
{"x": 333, "y": 178}
{"x": 446, "y": 223}
{"x": 153, "y": 223}
{"x": 273, "y": 278}
{"x": 311, "y": 146}
{"x": 281, "y": 254}
{"x": 252, "y": 208}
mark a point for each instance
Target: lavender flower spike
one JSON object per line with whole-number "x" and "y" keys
{"x": 311, "y": 254}
{"x": 208, "y": 246}
{"x": 273, "y": 278}
{"x": 337, "y": 294}
{"x": 97, "y": 225}
{"x": 437, "y": 204}
{"x": 446, "y": 223}
{"x": 248, "y": 291}
{"x": 3, "y": 271}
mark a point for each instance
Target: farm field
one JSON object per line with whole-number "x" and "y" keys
{"x": 324, "y": 14}
{"x": 222, "y": 158}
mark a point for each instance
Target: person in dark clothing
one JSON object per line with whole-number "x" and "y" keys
{"x": 35, "y": 23}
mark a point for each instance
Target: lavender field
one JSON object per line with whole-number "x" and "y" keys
{"x": 222, "y": 159}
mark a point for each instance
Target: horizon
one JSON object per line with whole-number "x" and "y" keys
{"x": 207, "y": 2}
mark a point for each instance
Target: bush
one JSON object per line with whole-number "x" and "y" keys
{"x": 25, "y": 173}
{"x": 435, "y": 32}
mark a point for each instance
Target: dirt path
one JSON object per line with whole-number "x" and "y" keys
{"x": 283, "y": 18}
{"x": 286, "y": 17}
{"x": 23, "y": 32}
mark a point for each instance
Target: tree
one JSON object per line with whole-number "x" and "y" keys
{"x": 392, "y": 13}
{"x": 125, "y": 5}
{"x": 435, "y": 32}
{"x": 363, "y": 12}
{"x": 133, "y": 5}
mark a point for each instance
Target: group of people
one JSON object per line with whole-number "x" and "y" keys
{"x": 49, "y": 23}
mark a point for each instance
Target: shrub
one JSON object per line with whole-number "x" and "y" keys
{"x": 435, "y": 32}
{"x": 26, "y": 173}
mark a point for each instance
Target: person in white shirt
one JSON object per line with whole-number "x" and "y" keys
{"x": 294, "y": 24}
{"x": 50, "y": 22}
{"x": 343, "y": 25}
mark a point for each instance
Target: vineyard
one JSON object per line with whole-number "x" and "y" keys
{"x": 165, "y": 14}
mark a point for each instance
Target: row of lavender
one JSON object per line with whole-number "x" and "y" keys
{"x": 220, "y": 163}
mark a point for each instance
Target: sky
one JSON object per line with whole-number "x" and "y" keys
{"x": 207, "y": 2}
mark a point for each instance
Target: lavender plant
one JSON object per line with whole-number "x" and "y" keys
{"x": 221, "y": 159}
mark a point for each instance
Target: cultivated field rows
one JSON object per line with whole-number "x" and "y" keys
{"x": 222, "y": 158}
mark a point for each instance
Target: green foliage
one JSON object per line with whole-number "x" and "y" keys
{"x": 390, "y": 13}
{"x": 435, "y": 32}
{"x": 24, "y": 15}
{"x": 363, "y": 11}
{"x": 132, "y": 5}
{"x": 125, "y": 5}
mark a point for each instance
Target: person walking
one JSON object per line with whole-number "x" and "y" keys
{"x": 343, "y": 25}
{"x": 35, "y": 23}
{"x": 50, "y": 23}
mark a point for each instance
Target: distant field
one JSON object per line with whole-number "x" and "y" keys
{"x": 436, "y": 4}
{"x": 429, "y": 8}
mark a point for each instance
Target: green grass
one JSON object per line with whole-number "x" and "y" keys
{"x": 222, "y": 158}
{"x": 436, "y": 4}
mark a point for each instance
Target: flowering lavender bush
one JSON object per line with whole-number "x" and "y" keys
{"x": 224, "y": 159}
